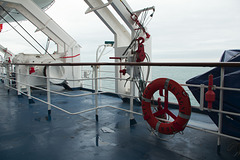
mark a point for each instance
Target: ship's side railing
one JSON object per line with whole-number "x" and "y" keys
{"x": 95, "y": 79}
{"x": 106, "y": 74}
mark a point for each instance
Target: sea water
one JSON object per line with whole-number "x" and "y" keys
{"x": 178, "y": 74}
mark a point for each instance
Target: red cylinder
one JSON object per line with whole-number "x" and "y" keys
{"x": 210, "y": 95}
{"x": 32, "y": 70}
{"x": 123, "y": 71}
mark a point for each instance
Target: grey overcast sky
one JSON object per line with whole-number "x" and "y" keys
{"x": 181, "y": 30}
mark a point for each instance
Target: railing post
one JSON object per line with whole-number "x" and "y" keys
{"x": 99, "y": 75}
{"x": 30, "y": 100}
{"x": 18, "y": 80}
{"x": 10, "y": 72}
{"x": 8, "y": 77}
{"x": 48, "y": 94}
{"x": 1, "y": 72}
{"x": 93, "y": 74}
{"x": 96, "y": 91}
{"x": 220, "y": 110}
{"x": 132, "y": 119}
{"x": 201, "y": 97}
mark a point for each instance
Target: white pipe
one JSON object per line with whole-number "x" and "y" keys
{"x": 48, "y": 91}
{"x": 78, "y": 95}
{"x": 92, "y": 77}
{"x": 225, "y": 112}
{"x": 202, "y": 97}
{"x": 96, "y": 91}
{"x": 220, "y": 116}
{"x": 18, "y": 79}
{"x": 131, "y": 92}
{"x": 28, "y": 86}
{"x": 8, "y": 76}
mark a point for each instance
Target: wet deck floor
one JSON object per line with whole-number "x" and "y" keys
{"x": 27, "y": 133}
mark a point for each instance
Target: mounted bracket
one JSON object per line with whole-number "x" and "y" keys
{"x": 99, "y": 7}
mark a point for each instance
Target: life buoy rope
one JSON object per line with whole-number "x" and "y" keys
{"x": 184, "y": 114}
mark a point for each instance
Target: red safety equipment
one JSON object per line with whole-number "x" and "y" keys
{"x": 32, "y": 70}
{"x": 123, "y": 71}
{"x": 210, "y": 95}
{"x": 184, "y": 114}
{"x": 140, "y": 51}
{"x": 1, "y": 27}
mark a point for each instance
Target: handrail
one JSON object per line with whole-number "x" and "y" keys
{"x": 175, "y": 64}
{"x": 131, "y": 96}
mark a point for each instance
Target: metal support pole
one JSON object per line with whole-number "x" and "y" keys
{"x": 18, "y": 80}
{"x": 201, "y": 97}
{"x": 96, "y": 91}
{"x": 100, "y": 81}
{"x": 11, "y": 76}
{"x": 8, "y": 77}
{"x": 93, "y": 73}
{"x": 132, "y": 119}
{"x": 30, "y": 100}
{"x": 48, "y": 94}
{"x": 220, "y": 115}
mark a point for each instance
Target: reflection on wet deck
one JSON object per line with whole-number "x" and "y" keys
{"x": 26, "y": 132}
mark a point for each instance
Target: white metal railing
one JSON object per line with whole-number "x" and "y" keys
{"x": 89, "y": 72}
{"x": 95, "y": 82}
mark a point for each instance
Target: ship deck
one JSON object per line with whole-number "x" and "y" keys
{"x": 26, "y": 132}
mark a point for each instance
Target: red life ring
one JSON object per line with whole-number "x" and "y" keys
{"x": 184, "y": 114}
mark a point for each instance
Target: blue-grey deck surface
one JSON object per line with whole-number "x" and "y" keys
{"x": 26, "y": 133}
